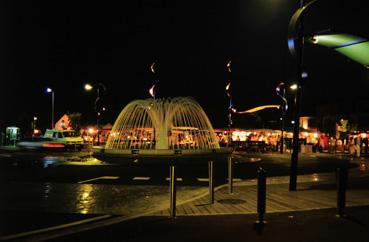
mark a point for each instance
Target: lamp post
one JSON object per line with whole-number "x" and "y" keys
{"x": 34, "y": 125}
{"x": 97, "y": 86}
{"x": 295, "y": 43}
{"x": 49, "y": 90}
{"x": 281, "y": 92}
{"x": 296, "y": 132}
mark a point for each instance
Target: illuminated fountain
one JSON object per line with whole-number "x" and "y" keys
{"x": 161, "y": 128}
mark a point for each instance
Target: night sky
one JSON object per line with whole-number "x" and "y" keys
{"x": 64, "y": 45}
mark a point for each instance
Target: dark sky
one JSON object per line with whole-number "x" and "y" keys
{"x": 64, "y": 45}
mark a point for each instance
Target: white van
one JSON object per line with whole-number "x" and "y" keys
{"x": 70, "y": 138}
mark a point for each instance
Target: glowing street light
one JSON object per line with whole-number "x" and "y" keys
{"x": 34, "y": 125}
{"x": 88, "y": 87}
{"x": 97, "y": 86}
{"x": 294, "y": 87}
{"x": 49, "y": 90}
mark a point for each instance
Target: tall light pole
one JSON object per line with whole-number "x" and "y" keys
{"x": 34, "y": 125}
{"x": 97, "y": 86}
{"x": 49, "y": 90}
{"x": 295, "y": 43}
{"x": 281, "y": 92}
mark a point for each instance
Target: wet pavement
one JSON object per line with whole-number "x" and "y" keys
{"x": 302, "y": 226}
{"x": 200, "y": 221}
{"x": 73, "y": 186}
{"x": 90, "y": 198}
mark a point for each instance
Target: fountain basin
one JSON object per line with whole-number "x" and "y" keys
{"x": 166, "y": 156}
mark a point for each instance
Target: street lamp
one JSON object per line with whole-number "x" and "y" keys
{"x": 88, "y": 87}
{"x": 294, "y": 87}
{"x": 49, "y": 90}
{"x": 34, "y": 125}
{"x": 295, "y": 43}
{"x": 281, "y": 92}
{"x": 97, "y": 86}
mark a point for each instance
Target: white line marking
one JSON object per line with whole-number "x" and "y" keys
{"x": 141, "y": 178}
{"x": 62, "y": 226}
{"x": 100, "y": 178}
{"x": 178, "y": 179}
{"x": 203, "y": 179}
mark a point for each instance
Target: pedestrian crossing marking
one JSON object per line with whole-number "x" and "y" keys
{"x": 141, "y": 178}
{"x": 178, "y": 179}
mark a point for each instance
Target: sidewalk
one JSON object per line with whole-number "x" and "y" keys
{"x": 308, "y": 214}
{"x": 316, "y": 191}
{"x": 307, "y": 226}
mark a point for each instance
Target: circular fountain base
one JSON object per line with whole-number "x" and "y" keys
{"x": 161, "y": 155}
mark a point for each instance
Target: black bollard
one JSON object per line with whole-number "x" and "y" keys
{"x": 211, "y": 182}
{"x": 173, "y": 191}
{"x": 261, "y": 195}
{"x": 342, "y": 174}
{"x": 230, "y": 174}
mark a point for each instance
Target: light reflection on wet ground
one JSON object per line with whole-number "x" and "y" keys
{"x": 363, "y": 167}
{"x": 90, "y": 198}
{"x": 47, "y": 160}
{"x": 84, "y": 198}
{"x": 315, "y": 177}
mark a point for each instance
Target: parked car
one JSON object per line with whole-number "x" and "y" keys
{"x": 40, "y": 143}
{"x": 70, "y": 138}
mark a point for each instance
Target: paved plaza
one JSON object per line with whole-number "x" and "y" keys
{"x": 313, "y": 207}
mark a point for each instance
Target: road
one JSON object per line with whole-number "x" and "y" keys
{"x": 80, "y": 167}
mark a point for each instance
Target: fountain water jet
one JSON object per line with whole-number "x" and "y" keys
{"x": 161, "y": 127}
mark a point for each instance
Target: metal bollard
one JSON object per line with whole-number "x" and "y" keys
{"x": 211, "y": 182}
{"x": 342, "y": 174}
{"x": 261, "y": 195}
{"x": 230, "y": 174}
{"x": 173, "y": 191}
